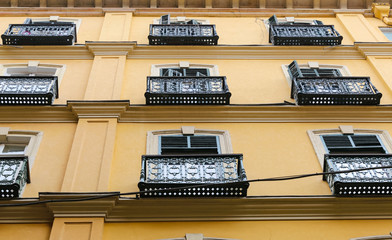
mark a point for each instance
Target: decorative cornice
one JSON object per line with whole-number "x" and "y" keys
{"x": 78, "y": 51}
{"x": 115, "y": 209}
{"x": 246, "y": 52}
{"x": 133, "y": 51}
{"x": 103, "y": 48}
{"x": 374, "y": 49}
{"x": 228, "y": 113}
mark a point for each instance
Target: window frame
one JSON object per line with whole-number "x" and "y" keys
{"x": 290, "y": 20}
{"x": 152, "y": 147}
{"x": 319, "y": 147}
{"x": 157, "y": 68}
{"x": 344, "y": 71}
{"x": 34, "y": 66}
{"x": 76, "y": 21}
{"x": 179, "y": 19}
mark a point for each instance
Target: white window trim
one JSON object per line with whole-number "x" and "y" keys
{"x": 315, "y": 138}
{"x": 182, "y": 19}
{"x": 343, "y": 69}
{"x": 153, "y": 136}
{"x": 75, "y": 21}
{"x": 156, "y": 68}
{"x": 60, "y": 68}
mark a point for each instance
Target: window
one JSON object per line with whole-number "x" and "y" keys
{"x": 197, "y": 236}
{"x": 184, "y": 69}
{"x": 347, "y": 139}
{"x": 290, "y": 21}
{"x": 188, "y": 140}
{"x": 54, "y": 20}
{"x": 313, "y": 69}
{"x": 17, "y": 154}
{"x": 200, "y": 144}
{"x": 166, "y": 19}
{"x": 32, "y": 68}
{"x": 387, "y": 32}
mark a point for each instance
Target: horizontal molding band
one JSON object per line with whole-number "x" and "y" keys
{"x": 115, "y": 209}
{"x": 242, "y": 52}
{"x": 125, "y": 112}
{"x": 201, "y": 12}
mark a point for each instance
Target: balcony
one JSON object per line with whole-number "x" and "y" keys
{"x": 14, "y": 174}
{"x": 369, "y": 182}
{"x": 40, "y": 34}
{"x": 182, "y": 34}
{"x": 334, "y": 91}
{"x": 28, "y": 90}
{"x": 187, "y": 91}
{"x": 304, "y": 35}
{"x": 161, "y": 172}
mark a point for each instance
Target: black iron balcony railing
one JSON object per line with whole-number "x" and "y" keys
{"x": 225, "y": 171}
{"x": 368, "y": 182}
{"x": 40, "y": 34}
{"x": 304, "y": 35}
{"x": 182, "y": 34}
{"x": 187, "y": 91}
{"x": 14, "y": 174}
{"x": 28, "y": 90}
{"x": 334, "y": 91}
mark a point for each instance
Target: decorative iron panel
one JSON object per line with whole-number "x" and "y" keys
{"x": 40, "y": 34}
{"x": 13, "y": 176}
{"x": 25, "y": 90}
{"x": 187, "y": 90}
{"x": 335, "y": 91}
{"x": 368, "y": 182}
{"x": 182, "y": 34}
{"x": 304, "y": 35}
{"x": 169, "y": 171}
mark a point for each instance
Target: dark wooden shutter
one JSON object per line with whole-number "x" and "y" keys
{"x": 328, "y": 72}
{"x": 165, "y": 19}
{"x": 192, "y": 72}
{"x": 273, "y": 20}
{"x": 353, "y": 144}
{"x": 294, "y": 70}
{"x": 318, "y": 22}
{"x": 192, "y": 21}
{"x": 189, "y": 145}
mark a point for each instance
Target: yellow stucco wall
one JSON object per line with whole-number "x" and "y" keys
{"x": 250, "y": 230}
{"x": 25, "y": 231}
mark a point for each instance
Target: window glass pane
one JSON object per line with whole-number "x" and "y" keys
{"x": 14, "y": 148}
{"x": 387, "y": 32}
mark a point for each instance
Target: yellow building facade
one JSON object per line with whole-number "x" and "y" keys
{"x": 84, "y": 150}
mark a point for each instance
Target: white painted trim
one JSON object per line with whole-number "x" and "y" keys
{"x": 182, "y": 19}
{"x": 289, "y": 19}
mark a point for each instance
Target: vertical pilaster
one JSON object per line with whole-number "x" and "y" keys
{"x": 382, "y": 66}
{"x": 359, "y": 28}
{"x": 116, "y": 27}
{"x": 316, "y": 4}
{"x": 88, "y": 167}
{"x": 77, "y": 228}
{"x": 105, "y": 78}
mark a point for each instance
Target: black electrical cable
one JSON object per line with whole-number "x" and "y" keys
{"x": 283, "y": 178}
